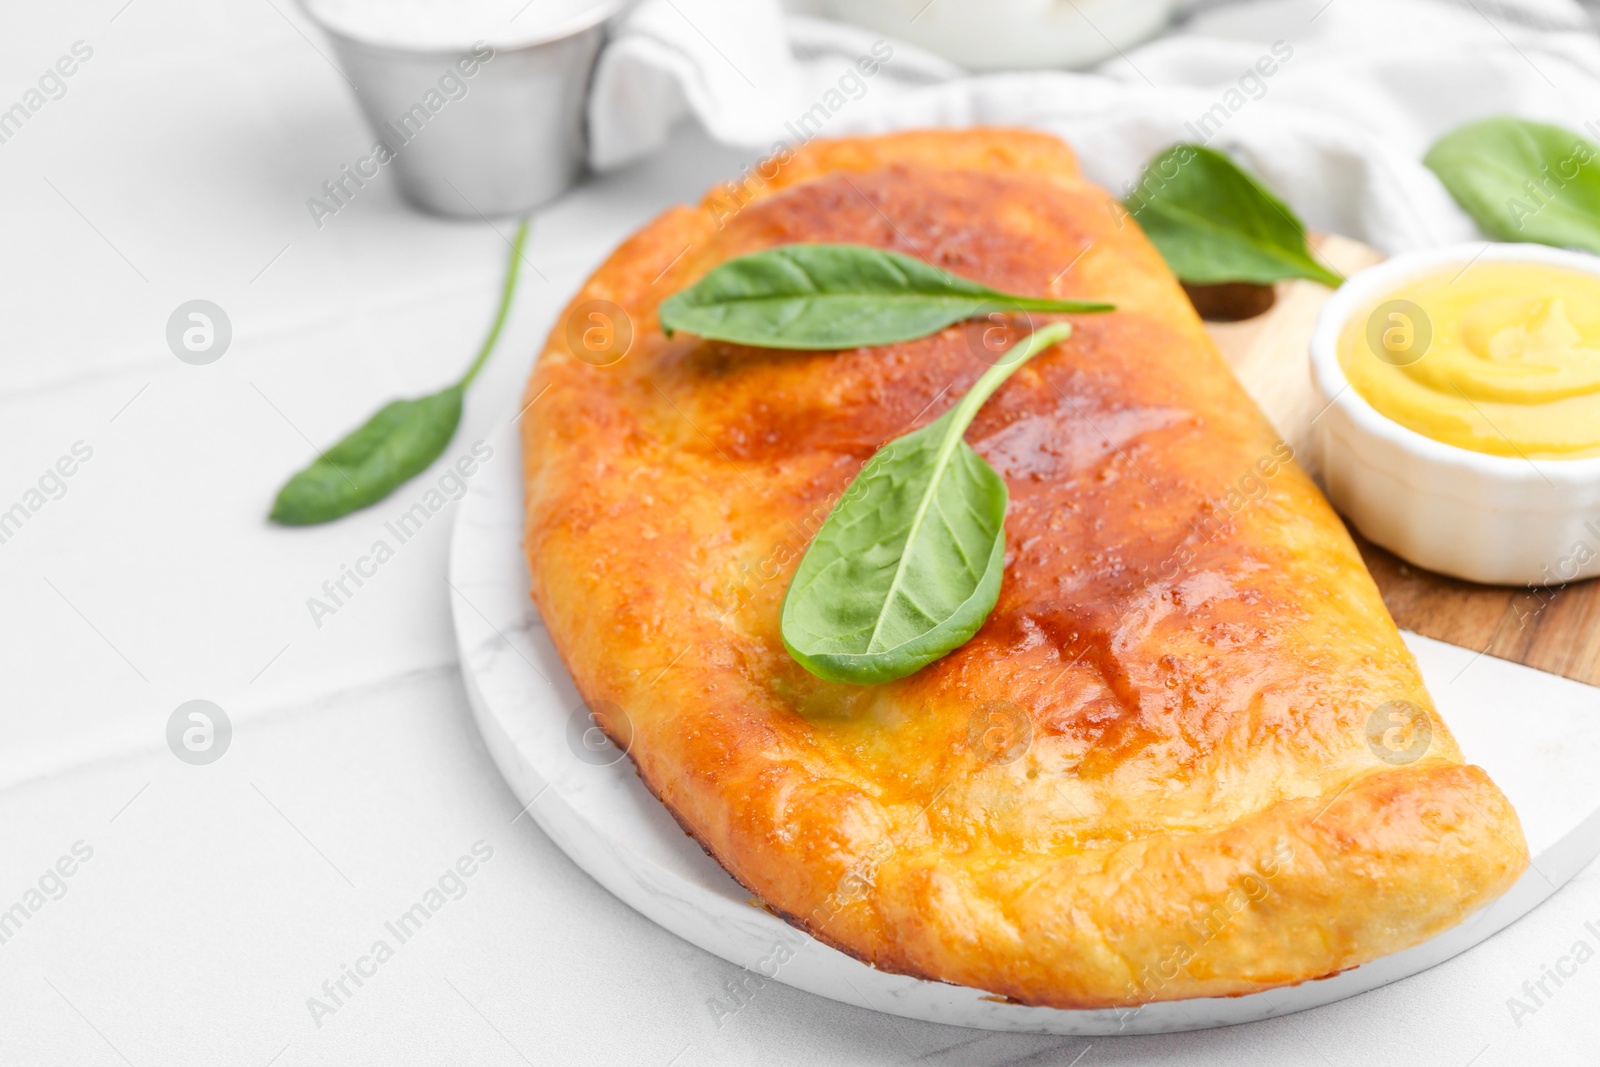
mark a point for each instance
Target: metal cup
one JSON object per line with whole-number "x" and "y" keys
{"x": 506, "y": 138}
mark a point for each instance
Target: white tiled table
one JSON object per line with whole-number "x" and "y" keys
{"x": 216, "y": 900}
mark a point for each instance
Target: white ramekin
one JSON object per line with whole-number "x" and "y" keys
{"x": 994, "y": 35}
{"x": 1486, "y": 518}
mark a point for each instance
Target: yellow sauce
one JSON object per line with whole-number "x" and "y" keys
{"x": 1501, "y": 358}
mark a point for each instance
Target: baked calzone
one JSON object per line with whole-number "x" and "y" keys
{"x": 1186, "y": 755}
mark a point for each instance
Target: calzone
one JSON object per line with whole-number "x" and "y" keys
{"x": 1187, "y": 754}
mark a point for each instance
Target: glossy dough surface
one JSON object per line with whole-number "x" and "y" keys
{"x": 1149, "y": 775}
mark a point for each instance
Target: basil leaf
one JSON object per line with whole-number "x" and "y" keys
{"x": 401, "y": 441}
{"x": 908, "y": 564}
{"x": 1523, "y": 181}
{"x": 1212, "y": 222}
{"x": 831, "y": 296}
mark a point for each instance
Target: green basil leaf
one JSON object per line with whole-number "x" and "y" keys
{"x": 1212, "y": 222}
{"x": 396, "y": 444}
{"x": 908, "y": 564}
{"x": 1523, "y": 181}
{"x": 401, "y": 441}
{"x": 831, "y": 296}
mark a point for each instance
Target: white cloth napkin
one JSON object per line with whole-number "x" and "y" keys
{"x": 1359, "y": 90}
{"x": 740, "y": 67}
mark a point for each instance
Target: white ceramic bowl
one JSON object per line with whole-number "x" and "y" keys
{"x": 1504, "y": 521}
{"x": 1013, "y": 34}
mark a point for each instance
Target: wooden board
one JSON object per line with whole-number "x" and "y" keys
{"x": 1555, "y": 628}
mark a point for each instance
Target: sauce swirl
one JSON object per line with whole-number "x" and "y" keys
{"x": 1502, "y": 358}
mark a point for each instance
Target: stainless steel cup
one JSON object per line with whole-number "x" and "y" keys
{"x": 500, "y": 140}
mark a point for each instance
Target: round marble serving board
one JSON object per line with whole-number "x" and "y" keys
{"x": 1537, "y": 734}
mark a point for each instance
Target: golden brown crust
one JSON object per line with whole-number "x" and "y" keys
{"x": 1183, "y": 661}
